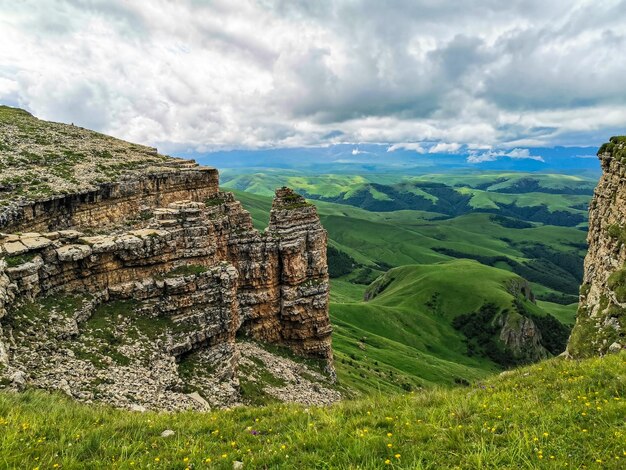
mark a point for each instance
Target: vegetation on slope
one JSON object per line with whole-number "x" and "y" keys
{"x": 39, "y": 159}
{"x": 544, "y": 198}
{"x": 556, "y": 414}
{"x": 339, "y": 262}
{"x": 616, "y": 147}
{"x": 410, "y": 333}
{"x": 381, "y": 346}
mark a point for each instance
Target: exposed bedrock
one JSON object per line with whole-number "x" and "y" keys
{"x": 184, "y": 251}
{"x": 601, "y": 320}
{"x": 116, "y": 202}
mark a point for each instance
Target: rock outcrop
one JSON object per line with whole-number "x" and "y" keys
{"x": 521, "y": 337}
{"x": 304, "y": 323}
{"x": 184, "y": 268}
{"x": 114, "y": 203}
{"x": 601, "y": 320}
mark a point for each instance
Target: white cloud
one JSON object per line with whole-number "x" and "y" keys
{"x": 443, "y": 147}
{"x": 8, "y": 87}
{"x": 224, "y": 74}
{"x": 414, "y": 146}
{"x": 492, "y": 155}
{"x": 440, "y": 147}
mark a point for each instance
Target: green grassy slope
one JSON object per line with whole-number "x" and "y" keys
{"x": 556, "y": 414}
{"x": 548, "y": 198}
{"x": 566, "y": 314}
{"x": 514, "y": 181}
{"x": 464, "y": 286}
{"x": 395, "y": 342}
{"x": 404, "y": 336}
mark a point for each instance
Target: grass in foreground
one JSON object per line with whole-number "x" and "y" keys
{"x": 556, "y": 414}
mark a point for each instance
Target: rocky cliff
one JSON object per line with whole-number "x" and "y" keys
{"x": 131, "y": 287}
{"x": 601, "y": 320}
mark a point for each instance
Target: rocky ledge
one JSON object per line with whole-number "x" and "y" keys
{"x": 134, "y": 291}
{"x": 601, "y": 320}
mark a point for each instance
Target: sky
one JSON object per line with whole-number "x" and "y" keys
{"x": 487, "y": 78}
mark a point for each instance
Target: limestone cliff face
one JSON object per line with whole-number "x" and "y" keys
{"x": 181, "y": 250}
{"x": 304, "y": 321}
{"x": 601, "y": 320}
{"x": 114, "y": 202}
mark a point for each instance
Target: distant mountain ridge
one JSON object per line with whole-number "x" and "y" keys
{"x": 554, "y": 199}
{"x": 388, "y": 158}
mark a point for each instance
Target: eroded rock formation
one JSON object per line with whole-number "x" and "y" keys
{"x": 601, "y": 319}
{"x": 141, "y": 276}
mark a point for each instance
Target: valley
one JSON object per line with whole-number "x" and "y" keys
{"x": 444, "y": 259}
{"x": 379, "y": 311}
{"x": 329, "y": 235}
{"x": 382, "y": 311}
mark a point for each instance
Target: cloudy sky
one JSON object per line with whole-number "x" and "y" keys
{"x": 432, "y": 74}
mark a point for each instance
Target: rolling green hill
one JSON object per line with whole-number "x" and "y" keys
{"x": 547, "y": 198}
{"x": 556, "y": 414}
{"x": 527, "y": 223}
{"x": 548, "y": 256}
{"x": 396, "y": 341}
{"x": 404, "y": 335}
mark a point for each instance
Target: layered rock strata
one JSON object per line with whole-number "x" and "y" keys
{"x": 197, "y": 262}
{"x": 601, "y": 319}
{"x": 304, "y": 324}
{"x": 115, "y": 202}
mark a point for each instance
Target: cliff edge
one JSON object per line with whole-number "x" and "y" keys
{"x": 126, "y": 276}
{"x": 601, "y": 319}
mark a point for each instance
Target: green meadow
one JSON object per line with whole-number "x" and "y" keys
{"x": 398, "y": 341}
{"x": 557, "y": 414}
